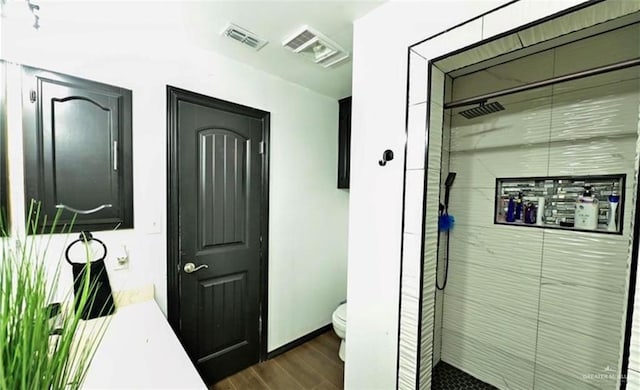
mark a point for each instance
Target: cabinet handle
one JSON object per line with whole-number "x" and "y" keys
{"x": 115, "y": 155}
{"x": 84, "y": 212}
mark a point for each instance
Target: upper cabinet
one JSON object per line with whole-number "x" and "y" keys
{"x": 77, "y": 139}
{"x": 344, "y": 142}
{"x": 4, "y": 180}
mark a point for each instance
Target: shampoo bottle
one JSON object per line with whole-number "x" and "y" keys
{"x": 518, "y": 213}
{"x": 586, "y": 214}
{"x": 511, "y": 209}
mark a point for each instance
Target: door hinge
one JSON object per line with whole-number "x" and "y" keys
{"x": 261, "y": 147}
{"x": 33, "y": 96}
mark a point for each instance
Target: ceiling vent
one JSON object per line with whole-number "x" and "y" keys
{"x": 244, "y": 36}
{"x": 316, "y": 47}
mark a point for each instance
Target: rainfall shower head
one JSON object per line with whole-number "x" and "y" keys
{"x": 482, "y": 109}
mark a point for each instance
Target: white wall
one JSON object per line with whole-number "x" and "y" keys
{"x": 142, "y": 47}
{"x": 381, "y": 41}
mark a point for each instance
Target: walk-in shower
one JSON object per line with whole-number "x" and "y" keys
{"x": 530, "y": 288}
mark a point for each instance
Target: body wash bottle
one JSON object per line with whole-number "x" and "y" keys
{"x": 614, "y": 201}
{"x": 586, "y": 215}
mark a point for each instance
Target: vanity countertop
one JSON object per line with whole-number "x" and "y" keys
{"x": 140, "y": 351}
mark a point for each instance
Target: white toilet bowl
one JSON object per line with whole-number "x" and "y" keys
{"x": 340, "y": 326}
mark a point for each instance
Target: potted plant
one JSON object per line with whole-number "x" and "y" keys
{"x": 43, "y": 345}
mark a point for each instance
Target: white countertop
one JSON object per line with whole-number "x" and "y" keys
{"x": 140, "y": 351}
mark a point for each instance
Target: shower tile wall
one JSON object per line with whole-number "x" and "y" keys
{"x": 411, "y": 243}
{"x": 535, "y": 308}
{"x": 439, "y": 295}
{"x": 429, "y": 337}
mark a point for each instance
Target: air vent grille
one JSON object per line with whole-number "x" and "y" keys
{"x": 304, "y": 37}
{"x": 244, "y": 36}
{"x": 316, "y": 47}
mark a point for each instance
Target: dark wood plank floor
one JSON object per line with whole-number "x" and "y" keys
{"x": 314, "y": 365}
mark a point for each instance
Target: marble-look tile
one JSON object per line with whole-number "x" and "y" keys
{"x": 503, "y": 290}
{"x": 416, "y": 136}
{"x": 497, "y": 132}
{"x": 550, "y": 379}
{"x": 411, "y": 261}
{"x": 481, "y": 53}
{"x": 437, "y": 86}
{"x": 409, "y": 311}
{"x": 609, "y": 110}
{"x": 457, "y": 38}
{"x": 619, "y": 76}
{"x": 512, "y": 334}
{"x": 633, "y": 379}
{"x": 634, "y": 349}
{"x": 486, "y": 362}
{"x": 413, "y": 198}
{"x": 524, "y": 70}
{"x": 574, "y": 21}
{"x": 436, "y": 117}
{"x": 472, "y": 206}
{"x": 417, "y": 79}
{"x": 578, "y": 55}
{"x": 577, "y": 356}
{"x": 481, "y": 167}
{"x": 500, "y": 247}
{"x": 437, "y": 333}
{"x": 518, "y": 14}
{"x": 601, "y": 156}
{"x": 580, "y": 309}
{"x": 586, "y": 259}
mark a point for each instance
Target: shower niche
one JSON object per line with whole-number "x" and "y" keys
{"x": 581, "y": 203}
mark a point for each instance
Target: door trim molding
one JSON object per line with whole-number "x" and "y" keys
{"x": 174, "y": 95}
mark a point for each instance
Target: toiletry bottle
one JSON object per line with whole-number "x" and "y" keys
{"x": 586, "y": 213}
{"x": 540, "y": 211}
{"x": 511, "y": 208}
{"x": 518, "y": 213}
{"x": 614, "y": 201}
{"x": 530, "y": 213}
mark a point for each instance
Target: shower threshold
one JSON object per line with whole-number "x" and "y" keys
{"x": 447, "y": 377}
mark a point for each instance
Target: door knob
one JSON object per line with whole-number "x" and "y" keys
{"x": 190, "y": 267}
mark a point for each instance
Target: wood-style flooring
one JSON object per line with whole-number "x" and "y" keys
{"x": 314, "y": 365}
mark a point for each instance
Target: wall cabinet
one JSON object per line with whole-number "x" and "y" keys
{"x": 4, "y": 180}
{"x": 77, "y": 140}
{"x": 344, "y": 142}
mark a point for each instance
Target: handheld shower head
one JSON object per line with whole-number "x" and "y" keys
{"x": 448, "y": 183}
{"x": 450, "y": 178}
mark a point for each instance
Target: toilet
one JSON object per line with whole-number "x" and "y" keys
{"x": 340, "y": 326}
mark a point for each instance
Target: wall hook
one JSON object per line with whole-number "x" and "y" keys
{"x": 387, "y": 155}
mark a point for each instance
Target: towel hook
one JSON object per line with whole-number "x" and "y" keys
{"x": 387, "y": 155}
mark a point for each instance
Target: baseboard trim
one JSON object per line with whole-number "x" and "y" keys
{"x": 299, "y": 341}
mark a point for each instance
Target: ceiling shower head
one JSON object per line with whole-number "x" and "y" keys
{"x": 482, "y": 109}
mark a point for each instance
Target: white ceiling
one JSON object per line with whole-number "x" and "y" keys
{"x": 274, "y": 21}
{"x": 156, "y": 22}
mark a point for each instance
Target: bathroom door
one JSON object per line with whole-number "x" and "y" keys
{"x": 220, "y": 175}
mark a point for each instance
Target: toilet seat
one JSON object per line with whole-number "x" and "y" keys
{"x": 339, "y": 319}
{"x": 340, "y": 316}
